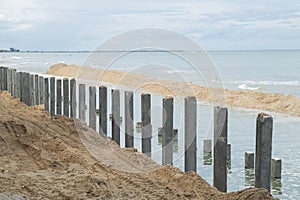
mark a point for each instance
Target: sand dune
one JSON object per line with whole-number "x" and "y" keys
{"x": 235, "y": 98}
{"x": 43, "y": 157}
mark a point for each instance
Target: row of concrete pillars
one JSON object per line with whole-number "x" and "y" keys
{"x": 36, "y": 90}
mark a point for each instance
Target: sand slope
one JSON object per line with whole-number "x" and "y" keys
{"x": 235, "y": 98}
{"x": 43, "y": 157}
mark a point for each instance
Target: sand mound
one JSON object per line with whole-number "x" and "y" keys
{"x": 43, "y": 157}
{"x": 235, "y": 98}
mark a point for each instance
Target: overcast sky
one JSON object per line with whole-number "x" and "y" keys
{"x": 84, "y": 24}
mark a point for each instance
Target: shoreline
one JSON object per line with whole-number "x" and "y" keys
{"x": 280, "y": 103}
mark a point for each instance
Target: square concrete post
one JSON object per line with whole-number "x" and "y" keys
{"x": 73, "y": 98}
{"x": 220, "y": 148}
{"x": 190, "y": 134}
{"x": 129, "y": 129}
{"x": 18, "y": 85}
{"x": 115, "y": 108}
{"x": 276, "y": 168}
{"x": 263, "y": 153}
{"x": 146, "y": 122}
{"x": 5, "y": 78}
{"x": 52, "y": 96}
{"x": 92, "y": 107}
{"x": 25, "y": 89}
{"x": 47, "y": 97}
{"x": 32, "y": 90}
{"x": 249, "y": 160}
{"x": 103, "y": 110}
{"x": 1, "y": 78}
{"x": 13, "y": 82}
{"x": 42, "y": 90}
{"x": 37, "y": 90}
{"x": 58, "y": 97}
{"x": 167, "y": 131}
{"x": 8, "y": 80}
{"x": 82, "y": 102}
{"x": 66, "y": 97}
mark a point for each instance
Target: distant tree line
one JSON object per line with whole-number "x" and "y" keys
{"x": 11, "y": 49}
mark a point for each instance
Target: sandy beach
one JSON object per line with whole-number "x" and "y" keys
{"x": 233, "y": 98}
{"x": 43, "y": 157}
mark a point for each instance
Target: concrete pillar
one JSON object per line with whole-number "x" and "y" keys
{"x": 13, "y": 76}
{"x": 129, "y": 129}
{"x": 17, "y": 85}
{"x": 115, "y": 109}
{"x": 46, "y": 95}
{"x": 66, "y": 97}
{"x": 92, "y": 107}
{"x": 8, "y": 80}
{"x": 58, "y": 97}
{"x": 25, "y": 89}
{"x": 52, "y": 96}
{"x": 1, "y": 77}
{"x": 190, "y": 134}
{"x": 32, "y": 89}
{"x": 220, "y": 148}
{"x": 263, "y": 153}
{"x": 73, "y": 98}
{"x": 207, "y": 146}
{"x": 5, "y": 78}
{"x": 146, "y": 121}
{"x": 276, "y": 168}
{"x": 42, "y": 90}
{"x": 103, "y": 110}
{"x": 167, "y": 131}
{"x": 13, "y": 81}
{"x": 37, "y": 90}
{"x": 82, "y": 102}
{"x": 249, "y": 160}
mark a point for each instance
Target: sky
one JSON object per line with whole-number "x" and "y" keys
{"x": 214, "y": 24}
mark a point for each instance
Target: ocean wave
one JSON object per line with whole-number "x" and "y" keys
{"x": 265, "y": 83}
{"x": 246, "y": 87}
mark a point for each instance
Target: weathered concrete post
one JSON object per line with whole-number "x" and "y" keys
{"x": 167, "y": 131}
{"x": 37, "y": 90}
{"x": 207, "y": 146}
{"x": 92, "y": 107}
{"x": 32, "y": 89}
{"x": 46, "y": 90}
{"x": 276, "y": 168}
{"x": 263, "y": 153}
{"x": 42, "y": 89}
{"x": 73, "y": 98}
{"x": 1, "y": 77}
{"x": 82, "y": 102}
{"x": 220, "y": 148}
{"x": 58, "y": 97}
{"x": 129, "y": 129}
{"x": 52, "y": 96}
{"x": 103, "y": 110}
{"x": 190, "y": 134}
{"x": 18, "y": 85}
{"x": 66, "y": 97}
{"x": 5, "y": 78}
{"x": 25, "y": 97}
{"x": 8, "y": 79}
{"x": 115, "y": 108}
{"x": 146, "y": 122}
{"x": 13, "y": 81}
{"x": 249, "y": 160}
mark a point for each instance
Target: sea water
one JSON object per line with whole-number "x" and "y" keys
{"x": 266, "y": 71}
